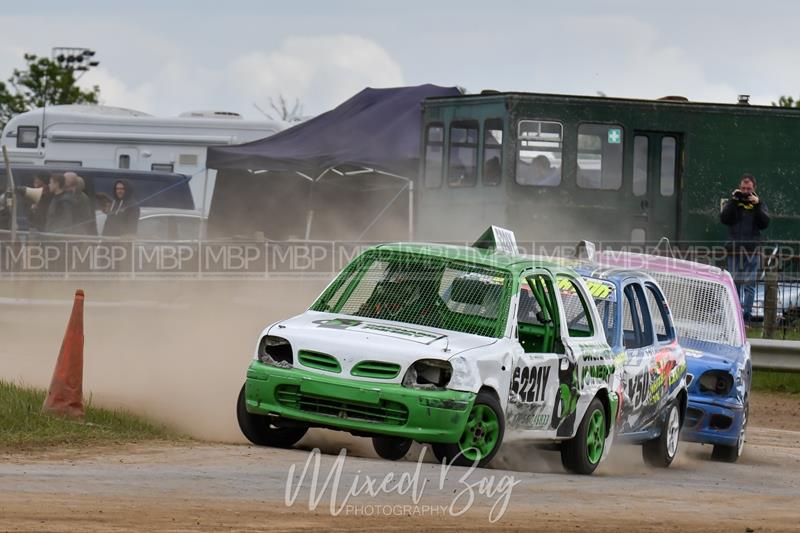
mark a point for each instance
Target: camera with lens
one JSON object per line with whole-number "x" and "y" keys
{"x": 740, "y": 196}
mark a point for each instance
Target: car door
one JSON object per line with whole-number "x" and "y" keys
{"x": 587, "y": 364}
{"x": 534, "y": 383}
{"x": 669, "y": 359}
{"x": 639, "y": 405}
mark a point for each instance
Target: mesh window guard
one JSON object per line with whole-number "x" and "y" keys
{"x": 426, "y": 291}
{"x": 700, "y": 309}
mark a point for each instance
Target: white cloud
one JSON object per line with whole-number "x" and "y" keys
{"x": 320, "y": 71}
{"x": 114, "y": 92}
{"x": 621, "y": 55}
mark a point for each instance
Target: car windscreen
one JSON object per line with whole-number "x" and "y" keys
{"x": 422, "y": 290}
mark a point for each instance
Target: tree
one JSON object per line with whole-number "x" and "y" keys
{"x": 42, "y": 81}
{"x": 281, "y": 111}
{"x": 787, "y": 101}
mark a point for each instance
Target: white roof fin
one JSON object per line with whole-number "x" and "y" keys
{"x": 497, "y": 239}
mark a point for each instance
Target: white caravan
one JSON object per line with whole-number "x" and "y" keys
{"x": 112, "y": 137}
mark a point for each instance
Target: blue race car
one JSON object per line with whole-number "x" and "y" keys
{"x": 639, "y": 329}
{"x": 708, "y": 319}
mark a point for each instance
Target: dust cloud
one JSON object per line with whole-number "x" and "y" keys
{"x": 175, "y": 351}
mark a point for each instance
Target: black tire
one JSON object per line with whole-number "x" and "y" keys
{"x": 451, "y": 453}
{"x": 661, "y": 451}
{"x": 258, "y": 430}
{"x": 731, "y": 454}
{"x": 574, "y": 452}
{"x": 391, "y": 448}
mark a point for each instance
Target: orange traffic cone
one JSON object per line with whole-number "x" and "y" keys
{"x": 65, "y": 396}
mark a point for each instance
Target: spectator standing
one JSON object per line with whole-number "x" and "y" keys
{"x": 38, "y": 218}
{"x": 83, "y": 214}
{"x": 60, "y": 210}
{"x": 746, "y": 216}
{"x": 123, "y": 216}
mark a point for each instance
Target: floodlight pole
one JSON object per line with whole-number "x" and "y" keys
{"x": 11, "y": 192}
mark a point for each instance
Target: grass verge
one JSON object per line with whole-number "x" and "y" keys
{"x": 756, "y": 331}
{"x": 766, "y": 380}
{"x": 23, "y": 426}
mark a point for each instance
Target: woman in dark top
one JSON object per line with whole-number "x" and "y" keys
{"x": 123, "y": 217}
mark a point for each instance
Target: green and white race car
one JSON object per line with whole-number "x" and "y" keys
{"x": 429, "y": 343}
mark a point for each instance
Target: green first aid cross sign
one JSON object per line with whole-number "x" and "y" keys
{"x": 614, "y": 135}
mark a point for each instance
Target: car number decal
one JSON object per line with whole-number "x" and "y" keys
{"x": 530, "y": 383}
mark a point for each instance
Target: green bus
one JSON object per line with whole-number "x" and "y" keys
{"x": 561, "y": 168}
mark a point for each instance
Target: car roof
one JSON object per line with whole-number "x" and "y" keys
{"x": 169, "y": 211}
{"x": 478, "y": 256}
{"x": 614, "y": 274}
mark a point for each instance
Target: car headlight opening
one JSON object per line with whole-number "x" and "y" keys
{"x": 274, "y": 350}
{"x": 717, "y": 382}
{"x": 428, "y": 374}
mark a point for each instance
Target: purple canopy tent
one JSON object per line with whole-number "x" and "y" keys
{"x": 377, "y": 132}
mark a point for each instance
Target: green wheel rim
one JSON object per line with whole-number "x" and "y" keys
{"x": 596, "y": 436}
{"x": 480, "y": 434}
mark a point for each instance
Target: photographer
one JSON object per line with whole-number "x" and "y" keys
{"x": 745, "y": 215}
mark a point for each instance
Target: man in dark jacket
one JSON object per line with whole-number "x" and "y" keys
{"x": 59, "y": 212}
{"x": 745, "y": 215}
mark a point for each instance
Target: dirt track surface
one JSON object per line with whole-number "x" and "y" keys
{"x": 242, "y": 488}
{"x": 177, "y": 352}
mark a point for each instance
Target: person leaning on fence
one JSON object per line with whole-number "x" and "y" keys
{"x": 746, "y": 216}
{"x": 60, "y": 211}
{"x": 123, "y": 216}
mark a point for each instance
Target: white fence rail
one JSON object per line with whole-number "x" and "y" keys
{"x": 775, "y": 355}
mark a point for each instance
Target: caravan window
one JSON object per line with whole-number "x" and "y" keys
{"x": 162, "y": 167}
{"x": 539, "y": 149}
{"x": 27, "y": 136}
{"x": 600, "y": 156}
{"x": 492, "y": 151}
{"x": 434, "y": 155}
{"x": 462, "y": 168}
{"x": 56, "y": 162}
{"x": 124, "y": 161}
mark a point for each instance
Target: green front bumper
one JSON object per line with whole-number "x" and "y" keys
{"x": 357, "y": 406}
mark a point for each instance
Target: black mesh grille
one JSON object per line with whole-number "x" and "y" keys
{"x": 386, "y": 412}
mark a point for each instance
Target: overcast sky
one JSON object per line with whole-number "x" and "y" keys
{"x": 165, "y": 57}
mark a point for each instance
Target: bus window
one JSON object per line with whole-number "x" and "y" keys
{"x": 668, "y": 157}
{"x": 462, "y": 168}
{"x": 434, "y": 145}
{"x": 492, "y": 151}
{"x": 640, "y": 148}
{"x": 539, "y": 153}
{"x": 599, "y": 156}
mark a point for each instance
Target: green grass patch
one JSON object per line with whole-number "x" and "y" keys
{"x": 755, "y": 331}
{"x": 24, "y": 426}
{"x": 767, "y": 380}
